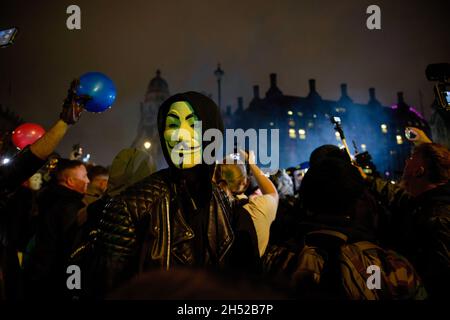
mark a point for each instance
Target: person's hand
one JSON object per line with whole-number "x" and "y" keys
{"x": 73, "y": 104}
{"x": 416, "y": 136}
{"x": 360, "y": 170}
{"x": 249, "y": 158}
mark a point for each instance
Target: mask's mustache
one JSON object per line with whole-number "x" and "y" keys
{"x": 183, "y": 145}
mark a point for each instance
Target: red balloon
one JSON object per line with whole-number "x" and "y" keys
{"x": 26, "y": 134}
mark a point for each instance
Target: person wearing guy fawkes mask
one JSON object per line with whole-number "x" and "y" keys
{"x": 174, "y": 217}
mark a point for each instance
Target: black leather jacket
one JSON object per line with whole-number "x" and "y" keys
{"x": 141, "y": 229}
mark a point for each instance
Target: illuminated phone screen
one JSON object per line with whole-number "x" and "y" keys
{"x": 7, "y": 36}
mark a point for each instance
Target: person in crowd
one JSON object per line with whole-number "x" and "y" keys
{"x": 176, "y": 216}
{"x": 21, "y": 167}
{"x": 128, "y": 167}
{"x": 420, "y": 207}
{"x": 261, "y": 207}
{"x": 284, "y": 225}
{"x": 98, "y": 177}
{"x": 291, "y": 211}
{"x": 17, "y": 229}
{"x": 30, "y": 159}
{"x": 59, "y": 206}
{"x": 325, "y": 152}
{"x": 283, "y": 183}
{"x": 335, "y": 243}
{"x": 23, "y": 212}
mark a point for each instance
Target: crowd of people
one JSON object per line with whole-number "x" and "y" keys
{"x": 222, "y": 230}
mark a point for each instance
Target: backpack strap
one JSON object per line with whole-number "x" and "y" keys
{"x": 355, "y": 259}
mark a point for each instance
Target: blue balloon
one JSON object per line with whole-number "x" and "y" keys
{"x": 100, "y": 88}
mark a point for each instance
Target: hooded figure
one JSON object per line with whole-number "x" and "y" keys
{"x": 174, "y": 217}
{"x": 128, "y": 167}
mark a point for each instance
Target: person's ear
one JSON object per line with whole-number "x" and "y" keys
{"x": 70, "y": 181}
{"x": 103, "y": 184}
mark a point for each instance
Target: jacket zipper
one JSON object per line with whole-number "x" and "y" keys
{"x": 168, "y": 235}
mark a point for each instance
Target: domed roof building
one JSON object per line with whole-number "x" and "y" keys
{"x": 157, "y": 88}
{"x": 147, "y": 137}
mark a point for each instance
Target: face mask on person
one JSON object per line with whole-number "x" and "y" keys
{"x": 182, "y": 137}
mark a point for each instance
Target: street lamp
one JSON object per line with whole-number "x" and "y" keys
{"x": 219, "y": 74}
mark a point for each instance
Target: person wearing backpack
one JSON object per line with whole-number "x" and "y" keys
{"x": 334, "y": 252}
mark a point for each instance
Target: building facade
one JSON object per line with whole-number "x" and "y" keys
{"x": 304, "y": 124}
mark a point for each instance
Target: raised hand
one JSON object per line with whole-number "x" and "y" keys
{"x": 416, "y": 136}
{"x": 73, "y": 104}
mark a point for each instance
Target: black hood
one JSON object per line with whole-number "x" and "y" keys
{"x": 206, "y": 110}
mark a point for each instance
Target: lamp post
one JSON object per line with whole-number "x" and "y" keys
{"x": 219, "y": 74}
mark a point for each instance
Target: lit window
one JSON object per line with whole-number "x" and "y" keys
{"x": 310, "y": 124}
{"x": 271, "y": 124}
{"x": 399, "y": 139}
{"x": 302, "y": 134}
{"x": 363, "y": 147}
{"x": 147, "y": 145}
{"x": 292, "y": 134}
{"x": 300, "y": 114}
{"x": 291, "y": 123}
{"x": 314, "y": 116}
{"x": 340, "y": 110}
{"x": 384, "y": 128}
{"x": 290, "y": 113}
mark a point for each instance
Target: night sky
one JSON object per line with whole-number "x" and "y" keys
{"x": 129, "y": 40}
